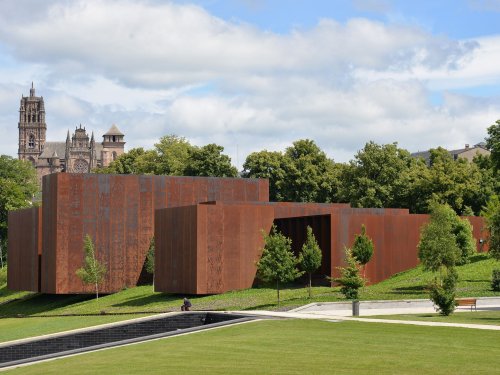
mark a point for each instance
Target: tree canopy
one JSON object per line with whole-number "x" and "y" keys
{"x": 18, "y": 186}
{"x": 310, "y": 256}
{"x": 493, "y": 144}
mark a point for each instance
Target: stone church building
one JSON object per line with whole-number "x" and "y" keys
{"x": 78, "y": 154}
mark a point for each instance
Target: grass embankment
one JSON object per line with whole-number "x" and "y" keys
{"x": 411, "y": 284}
{"x": 6, "y": 294}
{"x": 297, "y": 347}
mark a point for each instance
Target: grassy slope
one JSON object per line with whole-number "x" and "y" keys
{"x": 297, "y": 347}
{"x": 474, "y": 281}
{"x": 6, "y": 294}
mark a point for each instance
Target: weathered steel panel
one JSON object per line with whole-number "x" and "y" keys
{"x": 24, "y": 249}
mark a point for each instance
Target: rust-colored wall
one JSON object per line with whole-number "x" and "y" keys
{"x": 117, "y": 211}
{"x": 209, "y": 248}
{"x": 24, "y": 249}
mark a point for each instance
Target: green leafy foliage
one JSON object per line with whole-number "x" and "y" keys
{"x": 209, "y": 161}
{"x": 350, "y": 279}
{"x": 278, "y": 263}
{"x": 493, "y": 144}
{"x": 270, "y": 165}
{"x": 150, "y": 258}
{"x": 310, "y": 256}
{"x": 93, "y": 271}
{"x": 492, "y": 216}
{"x": 462, "y": 229}
{"x": 362, "y": 249}
{"x": 442, "y": 291}
{"x": 437, "y": 246}
{"x": 495, "y": 280}
{"x": 18, "y": 186}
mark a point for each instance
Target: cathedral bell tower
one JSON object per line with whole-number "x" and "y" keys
{"x": 32, "y": 127}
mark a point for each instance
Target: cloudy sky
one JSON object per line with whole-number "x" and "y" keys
{"x": 256, "y": 74}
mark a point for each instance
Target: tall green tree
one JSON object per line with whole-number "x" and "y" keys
{"x": 378, "y": 176}
{"x": 93, "y": 271}
{"x": 131, "y": 162}
{"x": 209, "y": 161}
{"x": 270, "y": 165}
{"x": 310, "y": 176}
{"x": 18, "y": 186}
{"x": 493, "y": 144}
{"x": 437, "y": 246}
{"x": 310, "y": 256}
{"x": 172, "y": 154}
{"x": 362, "y": 249}
{"x": 277, "y": 264}
{"x": 439, "y": 252}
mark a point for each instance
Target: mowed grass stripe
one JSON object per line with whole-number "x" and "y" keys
{"x": 297, "y": 347}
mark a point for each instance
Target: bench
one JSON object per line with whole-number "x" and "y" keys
{"x": 467, "y": 302}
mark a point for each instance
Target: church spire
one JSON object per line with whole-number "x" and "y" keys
{"x": 32, "y": 90}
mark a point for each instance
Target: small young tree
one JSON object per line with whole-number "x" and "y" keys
{"x": 92, "y": 271}
{"x": 350, "y": 279}
{"x": 462, "y": 229}
{"x": 277, "y": 263}
{"x": 310, "y": 256}
{"x": 150, "y": 259}
{"x": 442, "y": 291}
{"x": 362, "y": 249}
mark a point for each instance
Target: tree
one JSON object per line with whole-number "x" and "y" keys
{"x": 310, "y": 256}
{"x": 362, "y": 249}
{"x": 493, "y": 144}
{"x": 127, "y": 163}
{"x": 462, "y": 229}
{"x": 150, "y": 259}
{"x": 350, "y": 279}
{"x": 377, "y": 177}
{"x": 277, "y": 263}
{"x": 209, "y": 161}
{"x": 442, "y": 291}
{"x": 171, "y": 155}
{"x": 439, "y": 251}
{"x": 18, "y": 186}
{"x": 493, "y": 225}
{"x": 93, "y": 271}
{"x": 309, "y": 176}
{"x": 270, "y": 165}
{"x": 437, "y": 246}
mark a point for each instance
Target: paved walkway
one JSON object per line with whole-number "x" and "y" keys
{"x": 343, "y": 311}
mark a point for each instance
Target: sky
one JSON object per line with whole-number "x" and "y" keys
{"x": 256, "y": 74}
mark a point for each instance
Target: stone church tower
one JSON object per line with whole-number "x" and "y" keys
{"x": 32, "y": 127}
{"x": 79, "y": 154}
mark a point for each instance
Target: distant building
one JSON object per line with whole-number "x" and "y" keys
{"x": 467, "y": 152}
{"x": 78, "y": 154}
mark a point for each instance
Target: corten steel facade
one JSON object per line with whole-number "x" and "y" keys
{"x": 208, "y": 233}
{"x": 24, "y": 249}
{"x": 211, "y": 248}
{"x": 117, "y": 211}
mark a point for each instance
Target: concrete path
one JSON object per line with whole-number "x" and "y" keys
{"x": 343, "y": 311}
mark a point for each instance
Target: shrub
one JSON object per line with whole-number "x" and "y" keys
{"x": 495, "y": 280}
{"x": 442, "y": 291}
{"x": 350, "y": 279}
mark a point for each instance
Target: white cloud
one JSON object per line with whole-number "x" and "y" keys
{"x": 157, "y": 68}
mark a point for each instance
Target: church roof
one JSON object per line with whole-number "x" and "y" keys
{"x": 114, "y": 131}
{"x": 51, "y": 147}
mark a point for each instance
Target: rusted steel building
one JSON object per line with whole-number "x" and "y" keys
{"x": 208, "y": 233}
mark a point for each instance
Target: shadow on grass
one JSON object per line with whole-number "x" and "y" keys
{"x": 417, "y": 289}
{"x": 147, "y": 300}
{"x": 40, "y": 303}
{"x": 476, "y": 258}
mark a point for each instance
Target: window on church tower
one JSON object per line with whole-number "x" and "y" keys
{"x": 31, "y": 141}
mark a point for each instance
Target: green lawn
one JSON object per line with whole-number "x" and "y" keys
{"x": 6, "y": 294}
{"x": 474, "y": 281}
{"x": 19, "y": 328}
{"x": 297, "y": 347}
{"x": 474, "y": 317}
